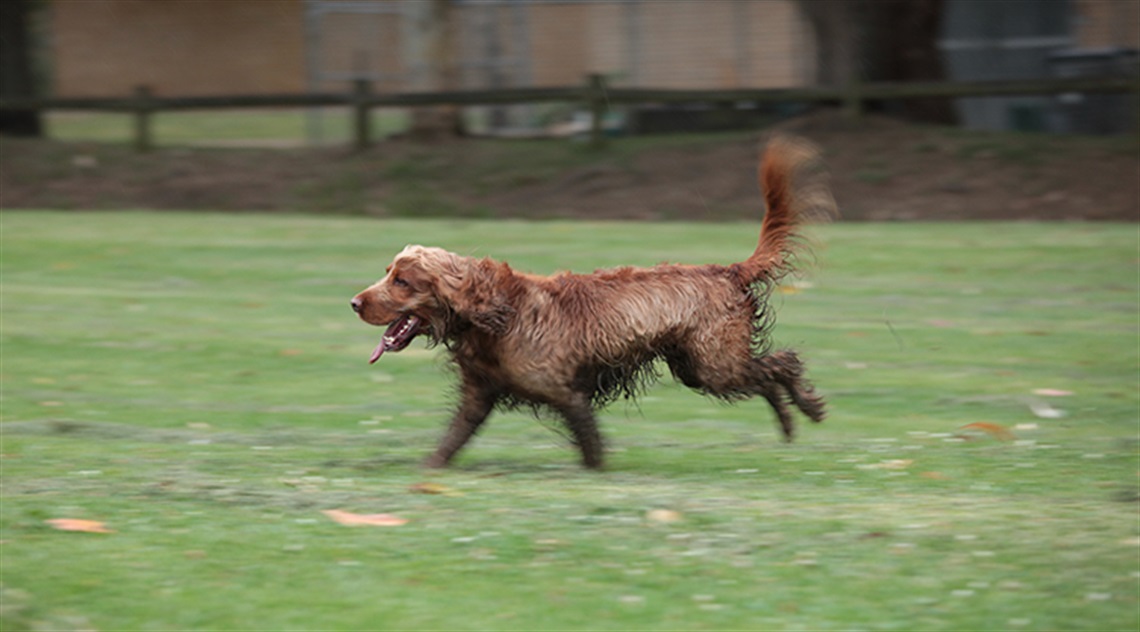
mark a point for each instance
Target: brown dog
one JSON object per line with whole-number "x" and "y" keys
{"x": 574, "y": 342}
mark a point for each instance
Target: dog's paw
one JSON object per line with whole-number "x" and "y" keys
{"x": 435, "y": 462}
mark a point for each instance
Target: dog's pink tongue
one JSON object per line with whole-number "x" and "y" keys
{"x": 378, "y": 351}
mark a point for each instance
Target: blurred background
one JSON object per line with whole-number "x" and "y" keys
{"x": 316, "y": 74}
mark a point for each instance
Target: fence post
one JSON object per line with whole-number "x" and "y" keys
{"x": 853, "y": 97}
{"x": 596, "y": 94}
{"x": 362, "y": 122}
{"x": 1136, "y": 110}
{"x": 142, "y": 114}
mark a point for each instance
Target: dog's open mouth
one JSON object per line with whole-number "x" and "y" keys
{"x": 398, "y": 335}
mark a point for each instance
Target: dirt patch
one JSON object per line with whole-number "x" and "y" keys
{"x": 881, "y": 170}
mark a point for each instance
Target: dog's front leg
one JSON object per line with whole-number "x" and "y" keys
{"x": 473, "y": 411}
{"x": 583, "y": 426}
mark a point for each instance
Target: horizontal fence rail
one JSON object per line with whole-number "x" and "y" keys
{"x": 595, "y": 94}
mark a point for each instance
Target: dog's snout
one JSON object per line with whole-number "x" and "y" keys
{"x": 357, "y": 304}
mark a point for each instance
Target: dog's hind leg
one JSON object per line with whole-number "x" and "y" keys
{"x": 579, "y": 416}
{"x": 781, "y": 372}
{"x": 787, "y": 423}
{"x": 777, "y": 377}
{"x": 805, "y": 398}
{"x": 785, "y": 368}
{"x": 473, "y": 410}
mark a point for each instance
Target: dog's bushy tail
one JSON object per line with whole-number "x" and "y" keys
{"x": 795, "y": 192}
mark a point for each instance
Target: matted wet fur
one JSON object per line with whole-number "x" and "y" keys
{"x": 574, "y": 342}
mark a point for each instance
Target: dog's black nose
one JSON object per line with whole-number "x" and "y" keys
{"x": 357, "y": 305}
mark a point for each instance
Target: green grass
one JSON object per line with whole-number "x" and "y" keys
{"x": 199, "y": 383}
{"x": 225, "y": 127}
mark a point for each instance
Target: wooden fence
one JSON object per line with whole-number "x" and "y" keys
{"x": 594, "y": 94}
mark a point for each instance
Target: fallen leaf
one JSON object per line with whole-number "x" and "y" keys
{"x": 75, "y": 524}
{"x": 1052, "y": 392}
{"x": 84, "y": 161}
{"x": 1045, "y": 411}
{"x": 663, "y": 515}
{"x": 349, "y": 519}
{"x": 434, "y": 488}
{"x": 1098, "y": 596}
{"x": 994, "y": 430}
{"x": 890, "y": 464}
{"x": 789, "y": 289}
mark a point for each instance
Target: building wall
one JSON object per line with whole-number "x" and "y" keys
{"x": 677, "y": 44}
{"x": 727, "y": 45}
{"x": 1107, "y": 23}
{"x": 674, "y": 44}
{"x": 560, "y": 41}
{"x": 178, "y": 47}
{"x": 202, "y": 47}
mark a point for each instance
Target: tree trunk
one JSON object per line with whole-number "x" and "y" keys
{"x": 905, "y": 48}
{"x": 881, "y": 40}
{"x": 17, "y": 78}
{"x": 837, "y": 39}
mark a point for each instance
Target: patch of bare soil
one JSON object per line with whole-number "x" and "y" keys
{"x": 880, "y": 170}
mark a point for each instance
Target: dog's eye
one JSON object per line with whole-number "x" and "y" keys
{"x": 399, "y": 282}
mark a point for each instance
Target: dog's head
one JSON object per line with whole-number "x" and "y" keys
{"x": 432, "y": 291}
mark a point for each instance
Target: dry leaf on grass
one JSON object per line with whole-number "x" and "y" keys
{"x": 889, "y": 464}
{"x": 349, "y": 519}
{"x": 1052, "y": 392}
{"x": 434, "y": 488}
{"x": 1045, "y": 411}
{"x": 663, "y": 515}
{"x": 994, "y": 430}
{"x": 75, "y": 524}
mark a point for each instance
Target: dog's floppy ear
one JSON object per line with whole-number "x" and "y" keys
{"x": 478, "y": 292}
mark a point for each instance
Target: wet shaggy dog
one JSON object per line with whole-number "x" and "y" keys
{"x": 571, "y": 343}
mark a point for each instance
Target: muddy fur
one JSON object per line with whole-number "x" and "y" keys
{"x": 571, "y": 343}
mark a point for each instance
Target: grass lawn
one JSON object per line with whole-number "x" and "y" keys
{"x": 199, "y": 384}
{"x": 270, "y": 127}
